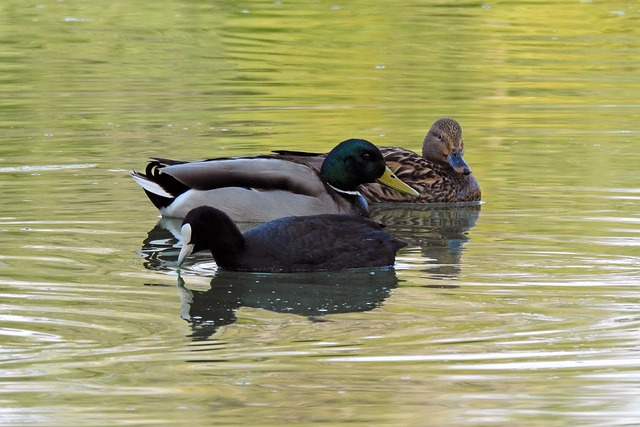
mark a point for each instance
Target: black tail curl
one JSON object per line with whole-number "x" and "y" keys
{"x": 153, "y": 172}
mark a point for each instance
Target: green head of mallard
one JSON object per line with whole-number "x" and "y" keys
{"x": 356, "y": 161}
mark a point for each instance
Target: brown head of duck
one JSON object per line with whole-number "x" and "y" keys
{"x": 444, "y": 145}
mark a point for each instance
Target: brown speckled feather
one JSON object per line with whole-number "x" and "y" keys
{"x": 434, "y": 183}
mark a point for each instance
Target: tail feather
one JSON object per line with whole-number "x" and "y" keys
{"x": 162, "y": 189}
{"x": 148, "y": 185}
{"x": 158, "y": 196}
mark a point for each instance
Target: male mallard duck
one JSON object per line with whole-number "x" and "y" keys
{"x": 297, "y": 243}
{"x": 440, "y": 175}
{"x": 262, "y": 188}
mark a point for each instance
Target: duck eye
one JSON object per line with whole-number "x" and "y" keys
{"x": 366, "y": 156}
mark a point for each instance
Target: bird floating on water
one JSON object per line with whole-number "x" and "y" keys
{"x": 291, "y": 244}
{"x": 440, "y": 175}
{"x": 266, "y": 187}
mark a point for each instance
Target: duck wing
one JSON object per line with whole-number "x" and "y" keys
{"x": 266, "y": 173}
{"x": 313, "y": 160}
{"x": 297, "y": 153}
{"x": 409, "y": 167}
{"x": 434, "y": 183}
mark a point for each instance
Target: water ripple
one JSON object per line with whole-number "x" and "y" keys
{"x": 44, "y": 168}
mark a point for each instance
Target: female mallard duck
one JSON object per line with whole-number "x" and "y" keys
{"x": 297, "y": 243}
{"x": 262, "y": 188}
{"x": 440, "y": 175}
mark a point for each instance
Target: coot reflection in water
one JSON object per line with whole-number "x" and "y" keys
{"x": 439, "y": 231}
{"x": 310, "y": 294}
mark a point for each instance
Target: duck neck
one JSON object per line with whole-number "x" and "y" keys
{"x": 360, "y": 205}
{"x": 348, "y": 192}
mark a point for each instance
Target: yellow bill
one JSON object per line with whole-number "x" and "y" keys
{"x": 389, "y": 179}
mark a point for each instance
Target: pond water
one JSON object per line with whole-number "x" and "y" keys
{"x": 522, "y": 311}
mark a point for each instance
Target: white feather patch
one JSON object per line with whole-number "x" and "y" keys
{"x": 187, "y": 246}
{"x": 151, "y": 186}
{"x": 350, "y": 192}
{"x": 185, "y": 231}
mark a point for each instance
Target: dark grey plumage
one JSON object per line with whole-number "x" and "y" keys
{"x": 305, "y": 243}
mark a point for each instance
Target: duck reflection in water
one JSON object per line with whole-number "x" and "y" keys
{"x": 311, "y": 294}
{"x": 440, "y": 231}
